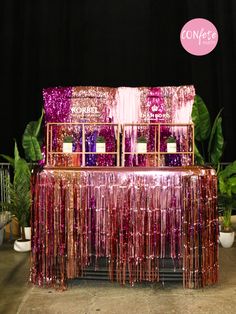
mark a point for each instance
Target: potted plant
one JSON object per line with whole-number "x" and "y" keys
{"x": 100, "y": 144}
{"x": 142, "y": 144}
{"x": 20, "y": 198}
{"x": 211, "y": 137}
{"x": 227, "y": 193}
{"x": 208, "y": 138}
{"x": 19, "y": 190}
{"x": 67, "y": 144}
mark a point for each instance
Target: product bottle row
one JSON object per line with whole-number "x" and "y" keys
{"x": 127, "y": 145}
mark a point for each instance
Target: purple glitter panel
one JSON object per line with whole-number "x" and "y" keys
{"x": 57, "y": 102}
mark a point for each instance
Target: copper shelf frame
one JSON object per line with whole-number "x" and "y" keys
{"x": 50, "y": 153}
{"x": 119, "y": 128}
{"x": 157, "y": 153}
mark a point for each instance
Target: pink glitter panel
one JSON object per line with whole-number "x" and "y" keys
{"x": 134, "y": 218}
{"x": 93, "y": 104}
{"x": 100, "y": 104}
{"x": 158, "y": 111}
{"x": 166, "y": 104}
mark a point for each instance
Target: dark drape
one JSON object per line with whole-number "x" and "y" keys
{"x": 110, "y": 43}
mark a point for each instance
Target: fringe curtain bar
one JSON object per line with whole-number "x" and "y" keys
{"x": 133, "y": 218}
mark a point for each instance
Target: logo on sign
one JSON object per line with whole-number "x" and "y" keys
{"x": 199, "y": 37}
{"x": 154, "y": 109}
{"x": 84, "y": 110}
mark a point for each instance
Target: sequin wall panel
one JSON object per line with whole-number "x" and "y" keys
{"x": 133, "y": 218}
{"x": 67, "y": 107}
{"x": 172, "y": 104}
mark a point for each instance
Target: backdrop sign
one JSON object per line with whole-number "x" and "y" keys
{"x": 170, "y": 104}
{"x": 79, "y": 104}
{"x": 199, "y": 37}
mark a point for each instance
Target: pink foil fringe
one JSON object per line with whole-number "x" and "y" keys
{"x": 134, "y": 218}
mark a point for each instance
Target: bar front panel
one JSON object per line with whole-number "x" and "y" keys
{"x": 133, "y": 217}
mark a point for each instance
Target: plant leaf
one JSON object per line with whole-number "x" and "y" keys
{"x": 30, "y": 141}
{"x": 213, "y": 130}
{"x": 38, "y": 124}
{"x": 9, "y": 159}
{"x": 201, "y": 119}
{"x": 217, "y": 144}
{"x": 233, "y": 189}
{"x": 229, "y": 170}
{"x": 21, "y": 173}
{"x": 33, "y": 127}
{"x": 232, "y": 183}
{"x": 199, "y": 160}
{"x": 31, "y": 147}
{"x": 16, "y": 154}
{"x": 222, "y": 185}
{"x": 227, "y": 181}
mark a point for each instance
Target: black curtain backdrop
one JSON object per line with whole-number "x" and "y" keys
{"x": 111, "y": 43}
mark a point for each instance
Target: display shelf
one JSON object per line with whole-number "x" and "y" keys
{"x": 179, "y": 153}
{"x": 82, "y": 151}
{"x": 151, "y": 151}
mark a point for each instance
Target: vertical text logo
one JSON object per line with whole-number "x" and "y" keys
{"x": 199, "y": 37}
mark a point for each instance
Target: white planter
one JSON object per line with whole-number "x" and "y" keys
{"x": 100, "y": 147}
{"x": 142, "y": 148}
{"x": 226, "y": 239}
{"x": 171, "y": 147}
{"x": 22, "y": 246}
{"x": 67, "y": 147}
{"x": 27, "y": 233}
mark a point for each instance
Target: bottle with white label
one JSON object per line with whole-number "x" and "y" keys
{"x": 100, "y": 144}
{"x": 142, "y": 145}
{"x": 171, "y": 145}
{"x": 67, "y": 144}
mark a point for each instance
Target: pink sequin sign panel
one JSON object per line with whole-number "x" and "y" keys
{"x": 119, "y": 105}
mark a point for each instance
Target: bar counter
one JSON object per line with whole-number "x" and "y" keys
{"x": 134, "y": 217}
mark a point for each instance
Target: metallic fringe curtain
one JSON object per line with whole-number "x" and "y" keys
{"x": 133, "y": 218}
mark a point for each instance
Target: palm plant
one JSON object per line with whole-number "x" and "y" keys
{"x": 19, "y": 191}
{"x": 19, "y": 188}
{"x": 227, "y": 218}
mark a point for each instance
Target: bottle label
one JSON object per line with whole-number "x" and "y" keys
{"x": 171, "y": 147}
{"x": 67, "y": 147}
{"x": 100, "y": 147}
{"x": 142, "y": 148}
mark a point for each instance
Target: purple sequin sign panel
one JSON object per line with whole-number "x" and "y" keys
{"x": 78, "y": 104}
